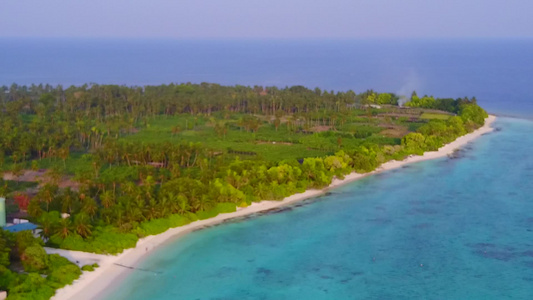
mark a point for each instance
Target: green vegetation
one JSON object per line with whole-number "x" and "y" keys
{"x": 9, "y": 186}
{"x": 43, "y": 273}
{"x": 90, "y": 268}
{"x": 434, "y": 116}
{"x": 137, "y": 161}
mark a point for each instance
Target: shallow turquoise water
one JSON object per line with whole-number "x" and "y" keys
{"x": 445, "y": 229}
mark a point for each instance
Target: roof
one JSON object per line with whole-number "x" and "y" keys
{"x": 21, "y": 227}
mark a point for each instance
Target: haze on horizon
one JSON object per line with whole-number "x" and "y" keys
{"x": 261, "y": 19}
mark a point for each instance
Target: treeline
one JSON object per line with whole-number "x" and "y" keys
{"x": 445, "y": 104}
{"x": 372, "y": 97}
{"x": 43, "y": 273}
{"x": 110, "y": 101}
{"x": 472, "y": 114}
{"x": 434, "y": 134}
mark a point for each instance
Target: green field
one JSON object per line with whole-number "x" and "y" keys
{"x": 434, "y": 116}
{"x": 267, "y": 143}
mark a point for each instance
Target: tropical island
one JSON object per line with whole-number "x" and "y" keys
{"x": 96, "y": 168}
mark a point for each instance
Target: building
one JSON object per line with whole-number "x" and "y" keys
{"x": 2, "y": 212}
{"x": 22, "y": 227}
{"x": 18, "y": 224}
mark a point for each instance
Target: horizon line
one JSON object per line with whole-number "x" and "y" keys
{"x": 126, "y": 38}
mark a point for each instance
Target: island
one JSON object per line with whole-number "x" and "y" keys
{"x": 94, "y": 177}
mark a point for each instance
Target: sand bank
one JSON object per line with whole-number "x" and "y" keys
{"x": 91, "y": 285}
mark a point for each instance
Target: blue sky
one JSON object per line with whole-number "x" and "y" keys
{"x": 205, "y": 19}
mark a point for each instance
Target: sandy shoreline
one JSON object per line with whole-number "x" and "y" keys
{"x": 92, "y": 285}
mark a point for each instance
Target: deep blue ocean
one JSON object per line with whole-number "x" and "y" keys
{"x": 458, "y": 228}
{"x": 498, "y": 72}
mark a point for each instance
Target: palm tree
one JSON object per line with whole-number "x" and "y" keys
{"x": 64, "y": 153}
{"x": 170, "y": 200}
{"x": 63, "y": 228}
{"x": 134, "y": 214}
{"x": 82, "y": 224}
{"x": 130, "y": 188}
{"x": 183, "y": 206}
{"x": 163, "y": 207}
{"x": 67, "y": 200}
{"x": 89, "y": 206}
{"x": 47, "y": 225}
{"x": 46, "y": 194}
{"x": 107, "y": 199}
{"x": 151, "y": 211}
{"x": 204, "y": 203}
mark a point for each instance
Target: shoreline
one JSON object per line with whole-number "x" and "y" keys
{"x": 94, "y": 285}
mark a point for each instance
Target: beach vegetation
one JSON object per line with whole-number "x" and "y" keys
{"x": 43, "y": 273}
{"x": 89, "y": 268}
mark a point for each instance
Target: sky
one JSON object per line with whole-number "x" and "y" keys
{"x": 266, "y": 19}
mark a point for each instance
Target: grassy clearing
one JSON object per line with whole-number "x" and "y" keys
{"x": 434, "y": 116}
{"x": 13, "y": 185}
{"x": 73, "y": 164}
{"x": 267, "y": 142}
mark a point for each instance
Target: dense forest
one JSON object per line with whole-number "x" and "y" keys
{"x": 118, "y": 163}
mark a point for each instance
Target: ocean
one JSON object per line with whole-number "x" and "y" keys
{"x": 451, "y": 228}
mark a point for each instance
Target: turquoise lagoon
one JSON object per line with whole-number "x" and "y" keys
{"x": 451, "y": 228}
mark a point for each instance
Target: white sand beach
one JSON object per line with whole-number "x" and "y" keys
{"x": 92, "y": 285}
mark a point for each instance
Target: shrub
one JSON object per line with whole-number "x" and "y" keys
{"x": 34, "y": 259}
{"x": 56, "y": 261}
{"x": 206, "y": 214}
{"x": 178, "y": 220}
{"x": 88, "y": 268}
{"x": 226, "y": 207}
{"x": 106, "y": 240}
{"x": 32, "y": 286}
{"x": 155, "y": 226}
{"x": 63, "y": 275}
